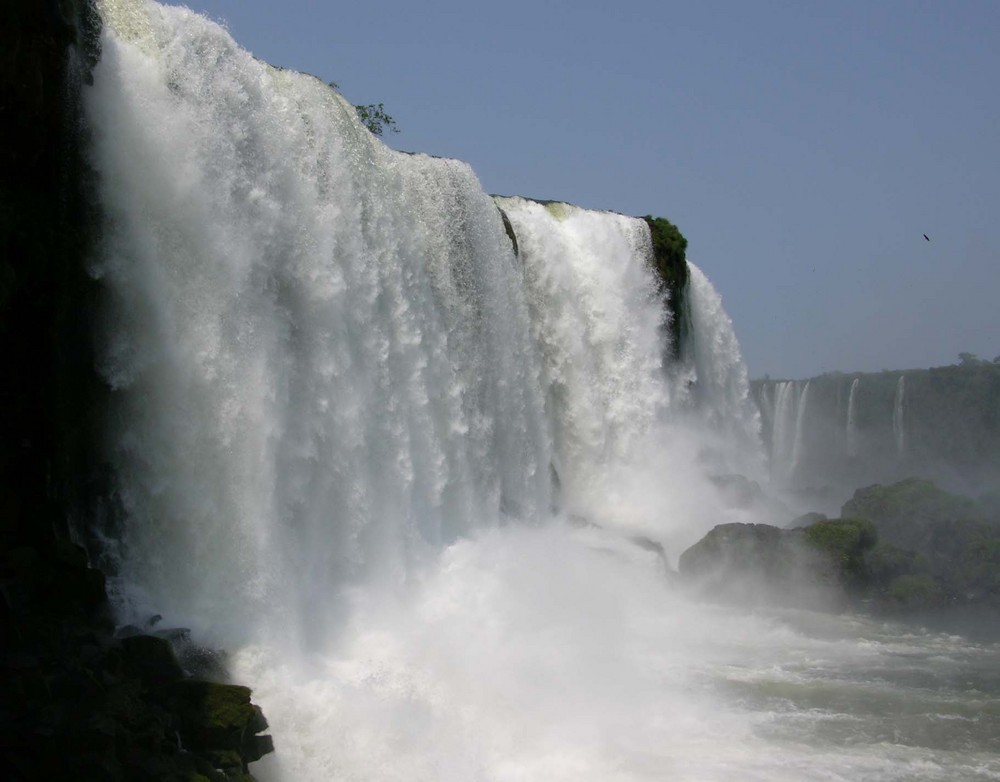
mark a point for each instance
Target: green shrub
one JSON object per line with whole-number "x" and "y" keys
{"x": 670, "y": 263}
{"x": 846, "y": 540}
{"x": 914, "y": 591}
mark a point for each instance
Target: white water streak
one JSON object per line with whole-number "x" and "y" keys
{"x": 783, "y": 434}
{"x": 898, "y": 422}
{"x": 721, "y": 384}
{"x": 852, "y": 426}
{"x": 798, "y": 446}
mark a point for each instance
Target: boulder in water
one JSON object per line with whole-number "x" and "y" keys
{"x": 752, "y": 564}
{"x": 936, "y": 547}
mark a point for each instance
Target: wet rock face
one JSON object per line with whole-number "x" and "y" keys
{"x": 903, "y": 549}
{"x": 822, "y": 566}
{"x": 752, "y": 564}
{"x": 936, "y": 549}
{"x": 76, "y": 702}
{"x": 48, "y": 224}
{"x": 79, "y": 703}
{"x": 219, "y": 722}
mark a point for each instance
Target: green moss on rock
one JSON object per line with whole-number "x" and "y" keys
{"x": 915, "y": 591}
{"x": 913, "y": 498}
{"x": 846, "y": 541}
{"x": 930, "y": 536}
{"x": 152, "y": 659}
{"x": 759, "y": 563}
{"x": 219, "y": 721}
{"x": 670, "y": 263}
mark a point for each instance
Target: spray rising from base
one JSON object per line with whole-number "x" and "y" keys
{"x": 340, "y": 401}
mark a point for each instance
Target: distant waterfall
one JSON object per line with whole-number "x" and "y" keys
{"x": 852, "y": 427}
{"x": 765, "y": 401}
{"x": 898, "y": 428}
{"x": 784, "y": 432}
{"x": 798, "y": 446}
{"x": 882, "y": 427}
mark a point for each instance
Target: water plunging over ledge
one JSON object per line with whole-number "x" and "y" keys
{"x": 344, "y": 414}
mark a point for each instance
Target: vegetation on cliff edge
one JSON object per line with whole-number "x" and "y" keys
{"x": 670, "y": 262}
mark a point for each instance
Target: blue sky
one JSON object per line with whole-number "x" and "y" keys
{"x": 802, "y": 147}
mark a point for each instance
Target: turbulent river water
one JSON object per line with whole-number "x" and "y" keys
{"x": 400, "y": 472}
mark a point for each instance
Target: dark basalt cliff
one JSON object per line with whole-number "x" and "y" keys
{"x": 49, "y": 392}
{"x": 77, "y": 700}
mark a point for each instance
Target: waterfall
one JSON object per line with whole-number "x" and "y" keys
{"x": 721, "y": 383}
{"x": 783, "y": 433}
{"x": 898, "y": 430}
{"x": 852, "y": 427}
{"x": 320, "y": 348}
{"x": 339, "y": 401}
{"x": 787, "y": 427}
{"x": 798, "y": 446}
{"x": 765, "y": 401}
{"x": 616, "y": 421}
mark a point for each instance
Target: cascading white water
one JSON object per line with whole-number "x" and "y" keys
{"x": 798, "y": 445}
{"x": 721, "y": 384}
{"x": 598, "y": 320}
{"x": 783, "y": 433}
{"x": 338, "y": 397}
{"x": 852, "y": 426}
{"x": 898, "y": 427}
{"x": 788, "y": 430}
{"x": 321, "y": 347}
{"x": 765, "y": 401}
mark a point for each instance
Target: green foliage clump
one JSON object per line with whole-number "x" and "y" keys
{"x": 980, "y": 571}
{"x": 886, "y": 562}
{"x": 670, "y": 262}
{"x": 374, "y": 117}
{"x": 846, "y": 541}
{"x": 931, "y": 537}
{"x": 914, "y": 591}
{"x": 669, "y": 251}
{"x": 913, "y": 498}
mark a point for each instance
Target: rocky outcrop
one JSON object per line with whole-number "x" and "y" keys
{"x": 936, "y": 548}
{"x": 49, "y": 394}
{"x": 821, "y": 566}
{"x": 77, "y": 702}
{"x": 753, "y": 564}
{"x": 508, "y": 228}
{"x": 903, "y": 548}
